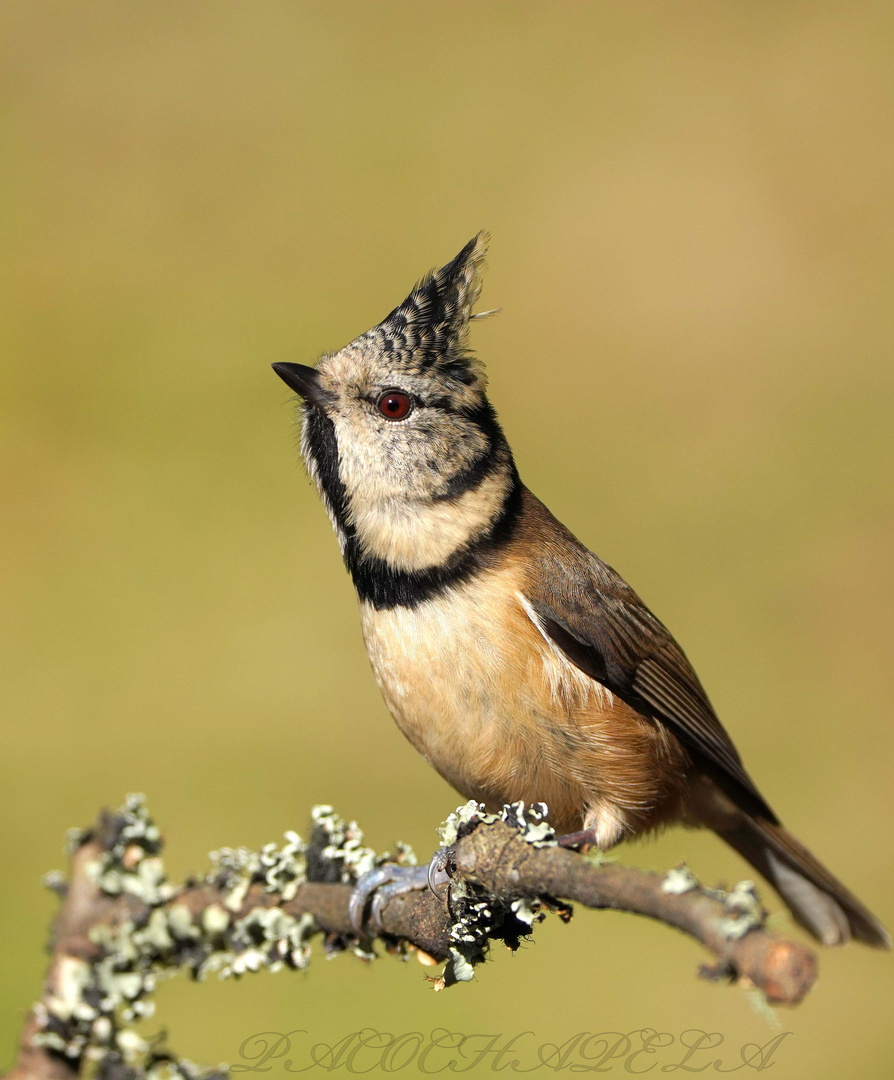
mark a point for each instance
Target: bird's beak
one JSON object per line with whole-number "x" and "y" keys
{"x": 304, "y": 381}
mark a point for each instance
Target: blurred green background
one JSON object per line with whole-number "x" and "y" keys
{"x": 693, "y": 247}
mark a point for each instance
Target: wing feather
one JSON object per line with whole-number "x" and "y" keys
{"x": 608, "y": 632}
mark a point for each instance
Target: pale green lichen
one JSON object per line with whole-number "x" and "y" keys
{"x": 73, "y": 979}
{"x": 215, "y": 920}
{"x": 480, "y": 919}
{"x": 341, "y": 844}
{"x": 471, "y": 813}
{"x": 91, "y": 1017}
{"x": 530, "y": 822}
{"x": 526, "y": 911}
{"x": 679, "y": 880}
{"x": 285, "y": 868}
{"x": 269, "y": 937}
{"x": 130, "y": 859}
{"x": 744, "y": 910}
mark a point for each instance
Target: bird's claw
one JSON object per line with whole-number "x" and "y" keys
{"x": 441, "y": 869}
{"x": 377, "y": 887}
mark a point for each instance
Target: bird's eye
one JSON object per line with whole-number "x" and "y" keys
{"x": 394, "y": 405}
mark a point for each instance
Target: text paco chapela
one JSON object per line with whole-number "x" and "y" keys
{"x": 369, "y": 1050}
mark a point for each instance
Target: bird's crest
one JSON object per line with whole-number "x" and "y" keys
{"x": 430, "y": 327}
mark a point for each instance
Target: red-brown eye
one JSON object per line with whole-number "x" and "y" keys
{"x": 394, "y": 405}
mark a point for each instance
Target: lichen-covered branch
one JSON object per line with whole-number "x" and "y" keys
{"x": 122, "y": 924}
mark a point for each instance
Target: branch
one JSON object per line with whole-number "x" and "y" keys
{"x": 122, "y": 923}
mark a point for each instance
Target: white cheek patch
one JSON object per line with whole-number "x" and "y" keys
{"x": 419, "y": 534}
{"x": 391, "y": 473}
{"x": 391, "y": 511}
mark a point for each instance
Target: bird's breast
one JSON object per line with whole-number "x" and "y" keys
{"x": 496, "y": 708}
{"x": 454, "y": 669}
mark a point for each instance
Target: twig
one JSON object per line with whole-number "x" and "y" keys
{"x": 121, "y": 923}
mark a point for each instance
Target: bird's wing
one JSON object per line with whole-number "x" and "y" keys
{"x": 599, "y": 622}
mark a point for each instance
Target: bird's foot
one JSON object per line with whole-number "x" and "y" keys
{"x": 578, "y": 841}
{"x": 377, "y": 887}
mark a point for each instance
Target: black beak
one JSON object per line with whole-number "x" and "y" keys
{"x": 304, "y": 381}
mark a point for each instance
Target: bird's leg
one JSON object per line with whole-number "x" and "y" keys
{"x": 385, "y": 882}
{"x": 603, "y": 827}
{"x": 578, "y": 841}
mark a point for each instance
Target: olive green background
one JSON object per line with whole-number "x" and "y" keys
{"x": 693, "y": 247}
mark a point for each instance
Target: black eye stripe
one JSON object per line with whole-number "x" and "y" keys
{"x": 322, "y": 446}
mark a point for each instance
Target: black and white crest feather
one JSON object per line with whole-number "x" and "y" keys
{"x": 429, "y": 329}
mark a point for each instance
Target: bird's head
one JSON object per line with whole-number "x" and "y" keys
{"x": 398, "y": 434}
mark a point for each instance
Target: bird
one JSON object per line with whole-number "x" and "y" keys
{"x": 516, "y": 661}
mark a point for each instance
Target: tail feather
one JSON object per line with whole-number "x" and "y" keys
{"x": 816, "y": 898}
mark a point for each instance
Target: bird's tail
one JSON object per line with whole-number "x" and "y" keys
{"x": 815, "y": 897}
